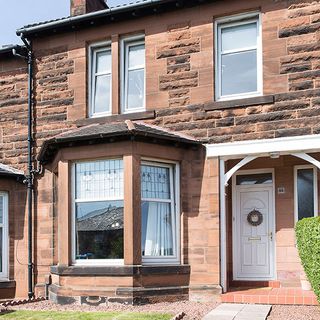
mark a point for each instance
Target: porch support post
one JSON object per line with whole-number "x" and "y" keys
{"x": 242, "y": 163}
{"x": 307, "y": 158}
{"x": 223, "y": 227}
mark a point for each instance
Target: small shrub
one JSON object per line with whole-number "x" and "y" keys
{"x": 308, "y": 242}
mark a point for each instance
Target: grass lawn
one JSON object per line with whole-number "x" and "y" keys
{"x": 51, "y": 315}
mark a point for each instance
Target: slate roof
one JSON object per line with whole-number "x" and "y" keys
{"x": 102, "y": 220}
{"x": 110, "y": 132}
{"x": 131, "y": 10}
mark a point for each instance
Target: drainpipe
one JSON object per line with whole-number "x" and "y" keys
{"x": 29, "y": 177}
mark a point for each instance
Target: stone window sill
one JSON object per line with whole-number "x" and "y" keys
{"x": 238, "y": 103}
{"x": 117, "y": 117}
{"x": 119, "y": 271}
{"x": 6, "y": 284}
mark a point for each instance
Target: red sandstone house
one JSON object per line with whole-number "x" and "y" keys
{"x": 161, "y": 149}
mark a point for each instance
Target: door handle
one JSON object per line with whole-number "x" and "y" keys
{"x": 271, "y": 235}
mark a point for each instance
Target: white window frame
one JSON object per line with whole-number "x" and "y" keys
{"x": 237, "y": 20}
{"x": 315, "y": 190}
{"x": 93, "y": 50}
{"x": 174, "y": 168}
{"x": 126, "y": 43}
{"x": 5, "y": 237}
{"x": 94, "y": 262}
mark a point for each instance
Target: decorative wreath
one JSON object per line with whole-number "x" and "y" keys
{"x": 255, "y": 218}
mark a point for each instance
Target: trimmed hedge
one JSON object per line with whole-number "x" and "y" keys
{"x": 308, "y": 242}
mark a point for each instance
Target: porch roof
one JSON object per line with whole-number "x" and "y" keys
{"x": 112, "y": 132}
{"x": 265, "y": 147}
{"x": 6, "y": 171}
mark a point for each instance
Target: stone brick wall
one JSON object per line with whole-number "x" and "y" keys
{"x": 13, "y": 106}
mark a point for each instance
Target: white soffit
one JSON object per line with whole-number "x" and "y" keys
{"x": 287, "y": 145}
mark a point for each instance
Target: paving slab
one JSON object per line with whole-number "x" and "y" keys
{"x": 226, "y": 311}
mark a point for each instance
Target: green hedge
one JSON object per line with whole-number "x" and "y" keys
{"x": 308, "y": 242}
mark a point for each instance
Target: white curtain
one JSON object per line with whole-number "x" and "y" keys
{"x": 159, "y": 238}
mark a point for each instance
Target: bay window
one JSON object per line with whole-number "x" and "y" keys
{"x": 160, "y": 218}
{"x": 238, "y": 57}
{"x": 133, "y": 74}
{"x": 100, "y": 80}
{"x": 98, "y": 212}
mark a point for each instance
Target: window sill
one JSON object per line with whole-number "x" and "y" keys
{"x": 238, "y": 103}
{"x": 118, "y": 271}
{"x": 117, "y": 117}
{"x": 7, "y": 284}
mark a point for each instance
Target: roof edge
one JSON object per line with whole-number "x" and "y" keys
{"x": 73, "y": 21}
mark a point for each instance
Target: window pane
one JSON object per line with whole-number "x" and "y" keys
{"x": 249, "y": 179}
{"x": 102, "y": 94}
{"x": 99, "y": 180}
{"x": 237, "y": 37}
{"x": 135, "y": 89}
{"x": 239, "y": 72}
{"x": 1, "y": 250}
{"x": 1, "y": 209}
{"x": 157, "y": 229}
{"x": 99, "y": 230}
{"x": 305, "y": 189}
{"x": 103, "y": 63}
{"x": 155, "y": 182}
{"x": 136, "y": 56}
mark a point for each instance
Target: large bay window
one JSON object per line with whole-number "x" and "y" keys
{"x": 160, "y": 218}
{"x": 98, "y": 212}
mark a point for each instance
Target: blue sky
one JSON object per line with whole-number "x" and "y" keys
{"x": 17, "y": 13}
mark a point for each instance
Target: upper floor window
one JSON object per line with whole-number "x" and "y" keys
{"x": 238, "y": 57}
{"x": 133, "y": 74}
{"x": 100, "y": 80}
{"x": 306, "y": 192}
{"x": 98, "y": 212}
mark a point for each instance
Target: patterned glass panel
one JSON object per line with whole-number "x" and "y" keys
{"x": 155, "y": 182}
{"x": 305, "y": 188}
{"x": 99, "y": 180}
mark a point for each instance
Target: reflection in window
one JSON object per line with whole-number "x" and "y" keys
{"x": 99, "y": 210}
{"x": 257, "y": 178}
{"x": 158, "y": 211}
{"x": 134, "y": 75}
{"x": 238, "y": 57}
{"x": 100, "y": 81}
{"x": 305, "y": 188}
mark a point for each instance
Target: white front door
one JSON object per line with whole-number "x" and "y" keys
{"x": 253, "y": 247}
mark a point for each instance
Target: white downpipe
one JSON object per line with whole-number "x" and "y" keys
{"x": 223, "y": 231}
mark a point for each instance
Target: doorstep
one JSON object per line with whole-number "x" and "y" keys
{"x": 289, "y": 296}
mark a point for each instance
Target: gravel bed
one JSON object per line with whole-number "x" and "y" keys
{"x": 193, "y": 310}
{"x": 280, "y": 312}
